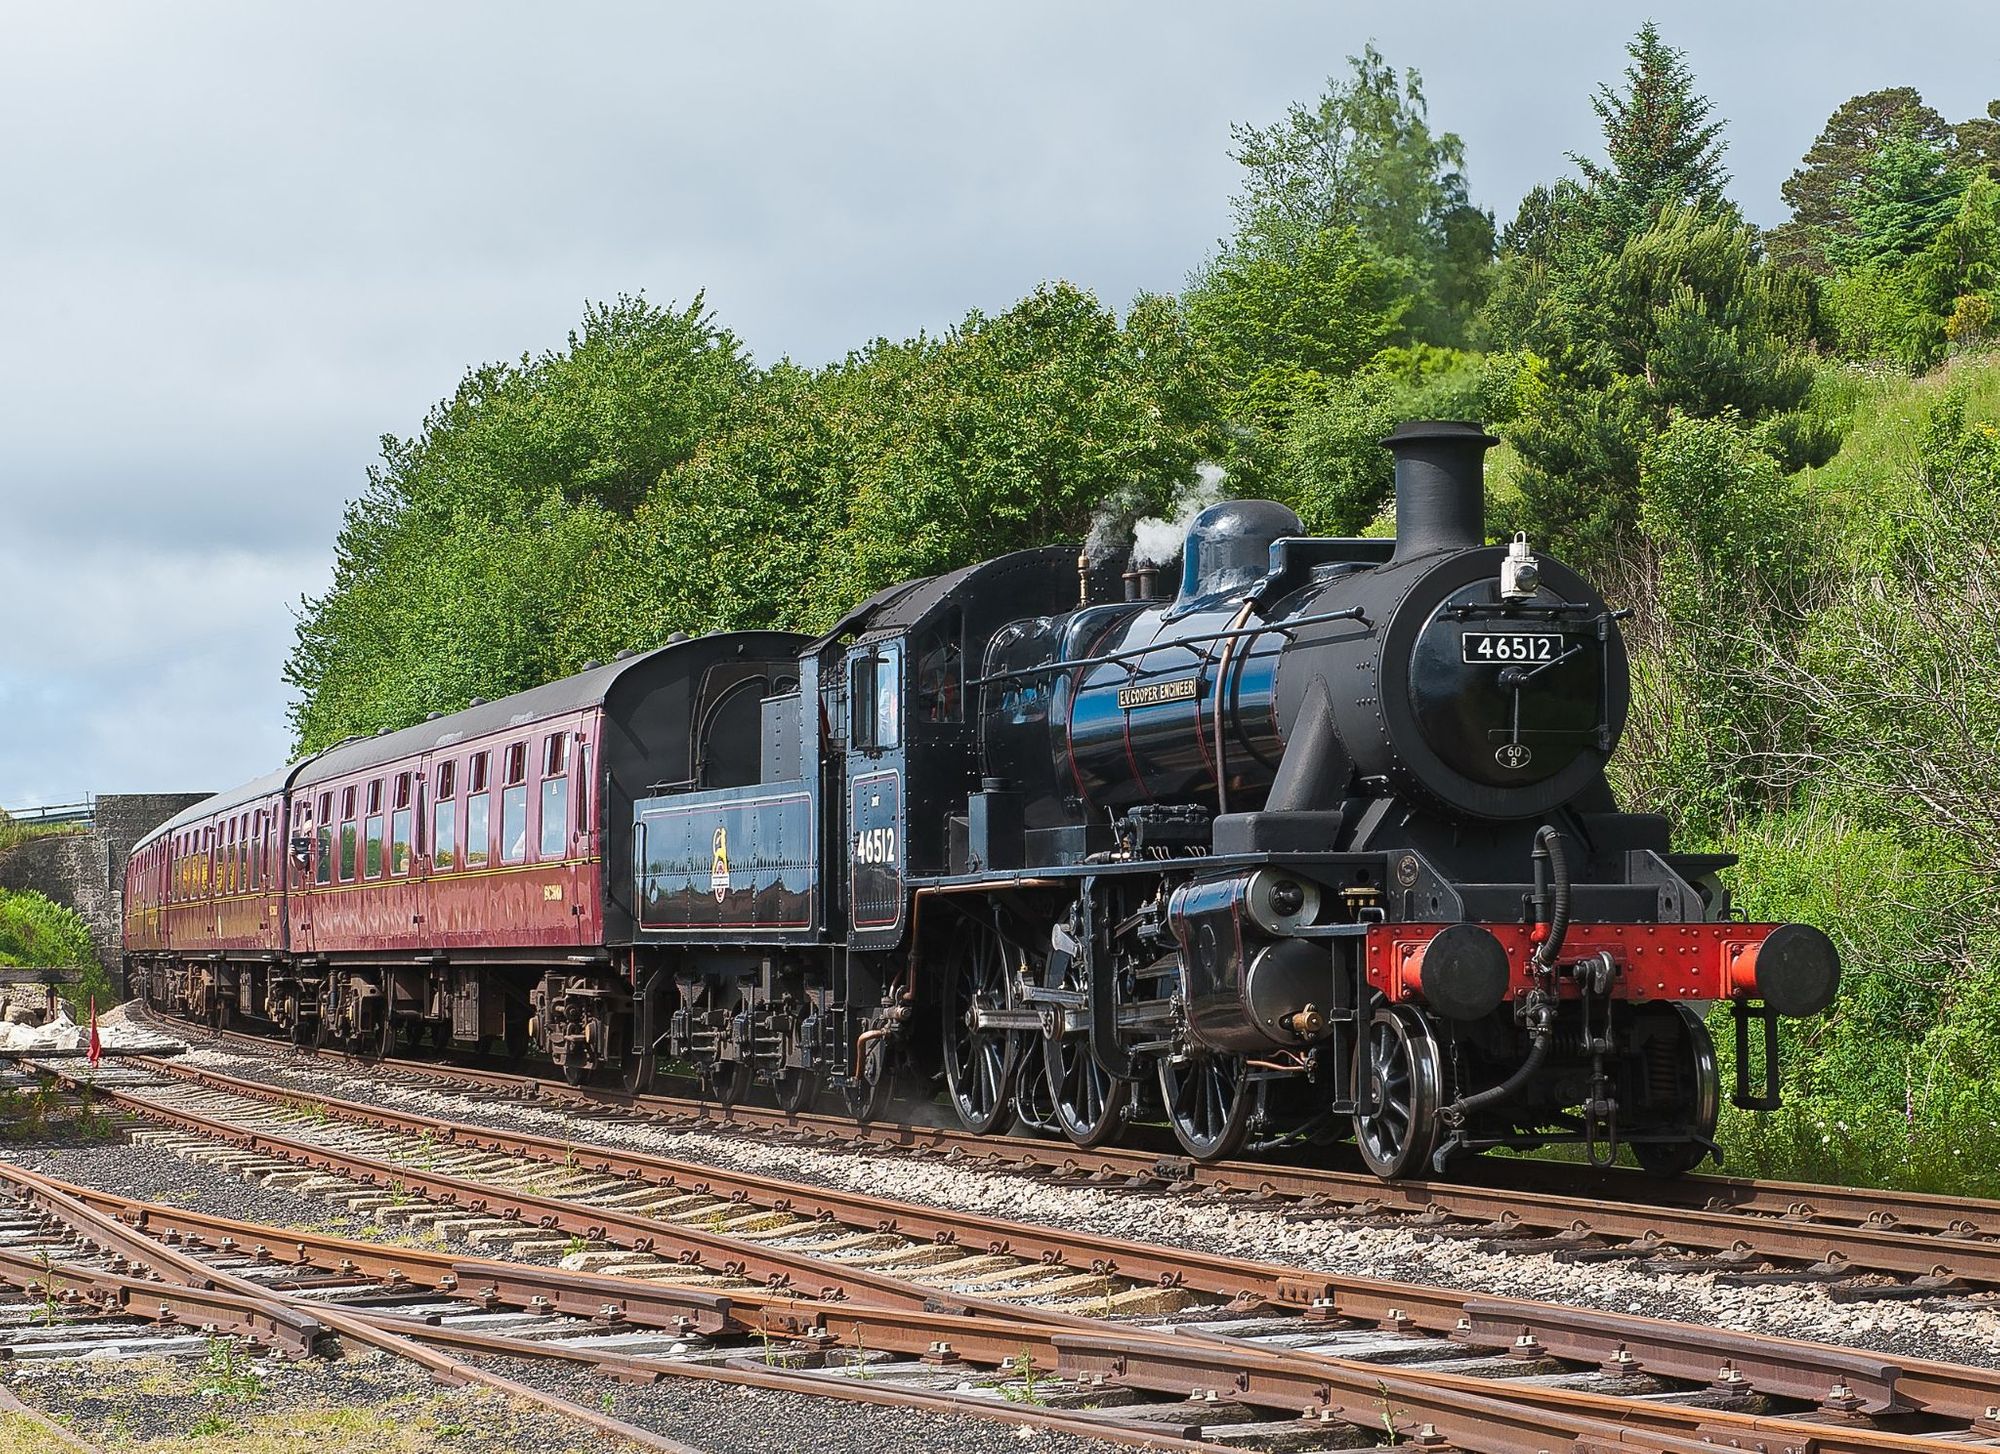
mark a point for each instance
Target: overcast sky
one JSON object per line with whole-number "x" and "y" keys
{"x": 239, "y": 243}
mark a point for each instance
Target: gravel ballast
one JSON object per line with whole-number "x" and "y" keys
{"x": 368, "y": 1404}
{"x": 1961, "y": 1331}
{"x": 723, "y": 1419}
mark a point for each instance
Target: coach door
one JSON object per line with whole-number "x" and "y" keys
{"x": 875, "y": 846}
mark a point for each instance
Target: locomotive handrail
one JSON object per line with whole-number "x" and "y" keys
{"x": 1187, "y": 643}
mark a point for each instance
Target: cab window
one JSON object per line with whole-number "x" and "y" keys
{"x": 875, "y": 694}
{"x": 940, "y": 673}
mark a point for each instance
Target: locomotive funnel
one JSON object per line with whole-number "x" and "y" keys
{"x": 1440, "y": 485}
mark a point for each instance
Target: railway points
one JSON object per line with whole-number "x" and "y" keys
{"x": 730, "y": 1226}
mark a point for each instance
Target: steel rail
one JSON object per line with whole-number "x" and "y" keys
{"x": 1872, "y": 1248}
{"x": 213, "y": 1285}
{"x": 885, "y": 1329}
{"x": 1425, "y": 1410}
{"x": 1782, "y": 1367}
{"x": 1504, "y": 1181}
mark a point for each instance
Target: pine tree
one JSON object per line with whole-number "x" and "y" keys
{"x": 1661, "y": 149}
{"x": 1822, "y": 191}
{"x": 1904, "y": 197}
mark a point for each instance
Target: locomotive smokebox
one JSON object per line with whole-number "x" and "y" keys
{"x": 1440, "y": 485}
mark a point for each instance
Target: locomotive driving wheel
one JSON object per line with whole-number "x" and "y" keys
{"x": 1208, "y": 1099}
{"x": 1399, "y": 1083}
{"x": 979, "y": 1062}
{"x": 1089, "y": 1101}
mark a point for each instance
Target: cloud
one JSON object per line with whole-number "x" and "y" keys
{"x": 128, "y": 670}
{"x": 240, "y": 242}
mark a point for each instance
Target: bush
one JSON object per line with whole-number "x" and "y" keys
{"x": 1899, "y": 1084}
{"x": 36, "y": 932}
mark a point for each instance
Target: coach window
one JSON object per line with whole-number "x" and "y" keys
{"x": 555, "y": 797}
{"x": 256, "y": 875}
{"x": 514, "y": 806}
{"x": 444, "y": 821}
{"x": 349, "y": 837}
{"x": 324, "y": 821}
{"x": 371, "y": 858}
{"x": 478, "y": 832}
{"x": 401, "y": 825}
{"x": 583, "y": 790}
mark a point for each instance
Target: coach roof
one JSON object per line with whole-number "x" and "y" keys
{"x": 590, "y": 688}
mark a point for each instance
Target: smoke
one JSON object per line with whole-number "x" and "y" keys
{"x": 1111, "y": 526}
{"x": 1156, "y": 541}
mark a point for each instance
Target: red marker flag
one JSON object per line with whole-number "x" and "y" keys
{"x": 96, "y": 1051}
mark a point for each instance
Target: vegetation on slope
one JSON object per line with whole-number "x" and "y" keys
{"x": 1780, "y": 449}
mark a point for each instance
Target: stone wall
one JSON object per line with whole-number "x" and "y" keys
{"x": 87, "y": 870}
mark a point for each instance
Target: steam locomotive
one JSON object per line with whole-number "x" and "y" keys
{"x": 1319, "y": 844}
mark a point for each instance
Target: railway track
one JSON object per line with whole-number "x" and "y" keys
{"x": 1859, "y": 1244}
{"x": 1253, "y": 1337}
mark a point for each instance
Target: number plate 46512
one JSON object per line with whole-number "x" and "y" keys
{"x": 1483, "y": 648}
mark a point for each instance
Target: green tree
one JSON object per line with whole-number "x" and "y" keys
{"x": 1283, "y": 324}
{"x": 1943, "y": 295}
{"x": 1684, "y": 318}
{"x": 1661, "y": 149}
{"x": 1821, "y": 193}
{"x": 1906, "y": 193}
{"x": 455, "y": 568}
{"x": 496, "y": 550}
{"x": 1729, "y": 545}
{"x": 1976, "y": 143}
{"x": 1364, "y": 160}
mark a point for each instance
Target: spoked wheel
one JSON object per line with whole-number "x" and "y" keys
{"x": 1405, "y": 1084}
{"x": 725, "y": 1081}
{"x": 794, "y": 1089}
{"x": 1208, "y": 1100}
{"x": 1698, "y": 1086}
{"x": 1089, "y": 1102}
{"x": 979, "y": 1063}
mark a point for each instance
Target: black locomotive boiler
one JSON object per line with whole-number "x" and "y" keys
{"x": 1318, "y": 844}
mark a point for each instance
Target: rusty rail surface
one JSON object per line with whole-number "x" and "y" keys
{"x": 1553, "y": 1196}
{"x": 1580, "y": 1224}
{"x": 1844, "y": 1380}
{"x": 207, "y": 1286}
{"x": 1467, "y": 1413}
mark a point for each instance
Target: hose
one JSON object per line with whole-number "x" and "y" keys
{"x": 1540, "y": 1004}
{"x": 1541, "y": 1039}
{"x": 1539, "y": 1047}
{"x": 1548, "y": 845}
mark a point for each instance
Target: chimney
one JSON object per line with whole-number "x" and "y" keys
{"x": 1440, "y": 485}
